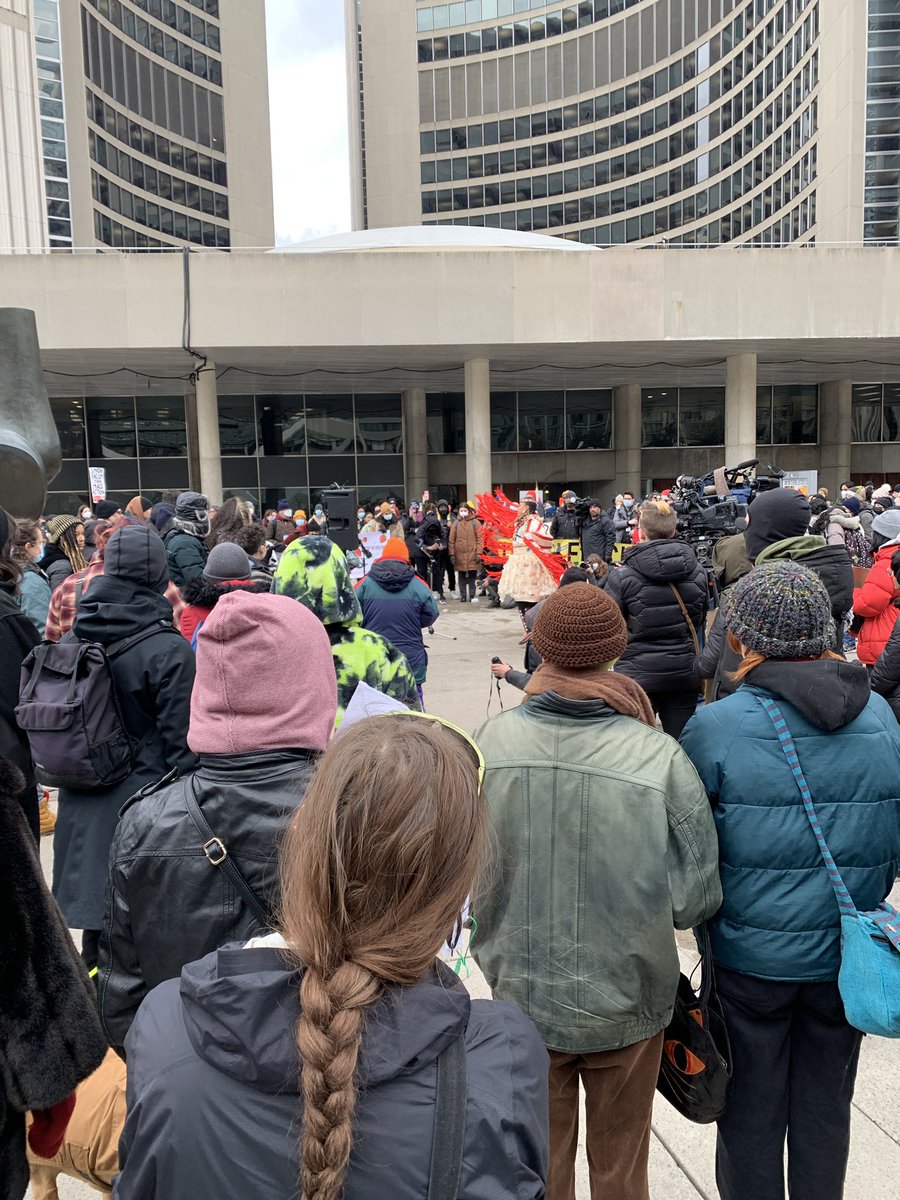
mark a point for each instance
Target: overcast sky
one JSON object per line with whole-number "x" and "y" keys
{"x": 308, "y": 103}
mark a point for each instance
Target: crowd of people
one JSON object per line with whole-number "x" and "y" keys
{"x": 266, "y": 873}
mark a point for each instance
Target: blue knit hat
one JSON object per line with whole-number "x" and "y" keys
{"x": 780, "y": 609}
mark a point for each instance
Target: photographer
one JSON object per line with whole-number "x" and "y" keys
{"x": 567, "y": 522}
{"x": 598, "y": 534}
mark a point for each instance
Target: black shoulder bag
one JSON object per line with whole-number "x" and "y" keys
{"x": 449, "y": 1122}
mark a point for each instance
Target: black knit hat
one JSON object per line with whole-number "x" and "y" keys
{"x": 782, "y": 610}
{"x": 578, "y": 627}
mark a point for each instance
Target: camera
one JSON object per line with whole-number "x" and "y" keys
{"x": 495, "y": 659}
{"x": 710, "y": 507}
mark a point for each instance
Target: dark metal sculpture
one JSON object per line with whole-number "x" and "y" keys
{"x": 30, "y": 454}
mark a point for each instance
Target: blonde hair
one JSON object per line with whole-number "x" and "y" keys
{"x": 376, "y": 867}
{"x": 658, "y": 519}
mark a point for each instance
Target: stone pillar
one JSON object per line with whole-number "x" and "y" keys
{"x": 415, "y": 442}
{"x": 478, "y": 427}
{"x": 740, "y": 409}
{"x": 627, "y": 439}
{"x": 835, "y": 418}
{"x": 208, "y": 434}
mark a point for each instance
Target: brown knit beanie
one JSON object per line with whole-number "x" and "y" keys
{"x": 578, "y": 627}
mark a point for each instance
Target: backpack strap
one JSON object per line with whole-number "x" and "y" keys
{"x": 114, "y": 649}
{"x": 217, "y": 855}
{"x": 449, "y": 1122}
{"x": 40, "y": 653}
{"x": 844, "y": 899}
{"x": 687, "y": 617}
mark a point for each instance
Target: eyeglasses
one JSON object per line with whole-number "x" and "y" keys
{"x": 422, "y": 716}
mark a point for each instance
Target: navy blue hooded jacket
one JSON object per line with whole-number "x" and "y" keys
{"x": 213, "y": 1082}
{"x": 779, "y": 918}
{"x": 398, "y": 604}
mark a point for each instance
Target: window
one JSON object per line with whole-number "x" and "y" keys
{"x": 110, "y": 427}
{"x": 379, "y": 426}
{"x": 795, "y": 414}
{"x": 69, "y": 418}
{"x": 875, "y": 413}
{"x": 541, "y": 424}
{"x": 683, "y": 416}
{"x": 446, "y": 421}
{"x": 588, "y": 420}
{"x": 503, "y": 421}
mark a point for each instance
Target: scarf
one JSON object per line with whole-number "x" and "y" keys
{"x": 594, "y": 683}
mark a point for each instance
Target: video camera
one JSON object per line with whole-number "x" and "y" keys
{"x": 709, "y": 508}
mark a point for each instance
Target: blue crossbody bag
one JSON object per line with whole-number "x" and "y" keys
{"x": 869, "y": 979}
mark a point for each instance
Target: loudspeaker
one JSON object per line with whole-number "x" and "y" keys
{"x": 340, "y": 508}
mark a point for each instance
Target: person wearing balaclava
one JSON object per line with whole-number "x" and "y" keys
{"x": 777, "y": 529}
{"x": 153, "y": 679}
{"x": 185, "y": 542}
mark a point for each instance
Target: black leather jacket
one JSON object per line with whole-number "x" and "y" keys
{"x": 166, "y": 904}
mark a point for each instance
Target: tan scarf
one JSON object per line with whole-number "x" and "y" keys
{"x": 593, "y": 683}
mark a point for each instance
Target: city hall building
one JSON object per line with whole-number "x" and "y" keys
{"x": 460, "y": 359}
{"x": 690, "y": 122}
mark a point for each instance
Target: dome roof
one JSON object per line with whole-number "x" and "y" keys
{"x": 433, "y": 237}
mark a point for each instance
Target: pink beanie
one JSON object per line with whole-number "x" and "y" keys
{"x": 265, "y": 678}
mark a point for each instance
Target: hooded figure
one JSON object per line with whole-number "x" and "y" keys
{"x": 185, "y": 541}
{"x": 777, "y": 524}
{"x": 313, "y": 571}
{"x": 397, "y": 604}
{"x": 776, "y": 940}
{"x": 258, "y": 732}
{"x": 153, "y": 679}
{"x": 227, "y": 570}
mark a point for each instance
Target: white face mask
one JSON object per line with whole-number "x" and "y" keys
{"x": 628, "y": 502}
{"x": 360, "y": 515}
{"x": 463, "y": 512}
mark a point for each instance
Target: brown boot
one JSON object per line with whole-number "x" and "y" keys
{"x": 48, "y": 817}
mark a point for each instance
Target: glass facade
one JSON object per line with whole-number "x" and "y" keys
{"x": 721, "y": 95}
{"x": 153, "y": 132}
{"x": 141, "y": 442}
{"x": 53, "y": 129}
{"x": 881, "y": 213}
{"x": 875, "y": 412}
{"x": 787, "y": 415}
{"x": 298, "y": 445}
{"x": 575, "y": 419}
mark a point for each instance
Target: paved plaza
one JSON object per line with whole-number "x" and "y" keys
{"x": 681, "y": 1154}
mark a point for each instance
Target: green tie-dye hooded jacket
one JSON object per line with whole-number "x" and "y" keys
{"x": 312, "y": 570}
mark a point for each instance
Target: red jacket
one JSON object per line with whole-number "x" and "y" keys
{"x": 873, "y": 601}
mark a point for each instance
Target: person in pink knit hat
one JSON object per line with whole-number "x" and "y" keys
{"x": 193, "y": 864}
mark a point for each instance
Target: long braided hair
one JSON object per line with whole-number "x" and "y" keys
{"x": 376, "y": 866}
{"x": 63, "y": 531}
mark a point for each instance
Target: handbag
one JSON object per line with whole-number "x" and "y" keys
{"x": 705, "y": 685}
{"x": 695, "y": 1068}
{"x": 869, "y": 978}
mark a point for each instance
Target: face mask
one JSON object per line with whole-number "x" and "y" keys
{"x": 360, "y": 515}
{"x": 320, "y": 511}
{"x": 628, "y": 503}
{"x": 463, "y": 513}
{"x": 388, "y": 517}
{"x": 40, "y": 553}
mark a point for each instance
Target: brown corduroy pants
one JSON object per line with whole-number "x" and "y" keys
{"x": 619, "y": 1086}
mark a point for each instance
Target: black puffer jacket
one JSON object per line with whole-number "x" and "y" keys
{"x": 18, "y": 637}
{"x": 166, "y": 904}
{"x": 885, "y": 677}
{"x": 660, "y": 653}
{"x": 213, "y": 1084}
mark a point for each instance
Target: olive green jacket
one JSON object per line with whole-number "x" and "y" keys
{"x": 606, "y": 842}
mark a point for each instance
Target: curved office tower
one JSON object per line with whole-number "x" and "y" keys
{"x": 164, "y": 135}
{"x": 697, "y": 122}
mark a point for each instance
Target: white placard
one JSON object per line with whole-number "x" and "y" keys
{"x": 806, "y": 482}
{"x": 97, "y": 478}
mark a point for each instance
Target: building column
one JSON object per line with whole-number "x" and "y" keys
{"x": 415, "y": 442}
{"x": 627, "y": 439}
{"x": 477, "y": 375}
{"x": 740, "y": 408}
{"x": 835, "y": 428}
{"x": 210, "y": 452}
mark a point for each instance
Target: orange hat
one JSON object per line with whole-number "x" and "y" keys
{"x": 396, "y": 548}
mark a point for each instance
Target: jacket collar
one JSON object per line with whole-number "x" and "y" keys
{"x": 553, "y": 705}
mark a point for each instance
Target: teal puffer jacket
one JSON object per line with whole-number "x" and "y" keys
{"x": 779, "y": 918}
{"x": 605, "y": 843}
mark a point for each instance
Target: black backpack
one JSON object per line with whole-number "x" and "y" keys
{"x": 69, "y": 710}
